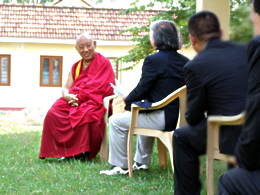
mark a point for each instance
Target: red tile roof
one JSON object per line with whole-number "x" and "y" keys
{"x": 39, "y": 21}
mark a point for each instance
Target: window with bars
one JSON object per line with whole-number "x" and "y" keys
{"x": 51, "y": 71}
{"x": 5, "y": 70}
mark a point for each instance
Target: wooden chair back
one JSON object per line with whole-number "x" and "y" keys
{"x": 164, "y": 138}
{"x": 103, "y": 153}
{"x": 213, "y": 153}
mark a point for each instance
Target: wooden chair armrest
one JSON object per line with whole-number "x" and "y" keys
{"x": 227, "y": 120}
{"x": 110, "y": 97}
{"x": 106, "y": 101}
{"x": 165, "y": 139}
{"x": 214, "y": 124}
{"x": 164, "y": 101}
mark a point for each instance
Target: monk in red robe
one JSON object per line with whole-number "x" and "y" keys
{"x": 74, "y": 125}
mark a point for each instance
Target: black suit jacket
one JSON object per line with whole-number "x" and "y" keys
{"x": 216, "y": 82}
{"x": 162, "y": 73}
{"x": 248, "y": 147}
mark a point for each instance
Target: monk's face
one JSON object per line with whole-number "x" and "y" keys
{"x": 86, "y": 48}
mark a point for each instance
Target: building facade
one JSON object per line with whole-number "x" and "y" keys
{"x": 37, "y": 48}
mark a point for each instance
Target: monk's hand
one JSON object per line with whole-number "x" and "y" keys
{"x": 74, "y": 104}
{"x": 72, "y": 99}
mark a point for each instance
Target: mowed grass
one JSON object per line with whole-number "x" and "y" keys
{"x": 21, "y": 172}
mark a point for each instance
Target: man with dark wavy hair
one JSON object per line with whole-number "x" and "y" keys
{"x": 245, "y": 178}
{"x": 162, "y": 73}
{"x": 212, "y": 80}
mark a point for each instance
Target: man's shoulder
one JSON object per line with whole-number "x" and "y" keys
{"x": 223, "y": 47}
{"x": 234, "y": 53}
{"x": 253, "y": 51}
{"x": 164, "y": 53}
{"x": 154, "y": 55}
{"x": 254, "y": 43}
{"x": 220, "y": 50}
{"x": 256, "y": 39}
{"x": 230, "y": 47}
{"x": 102, "y": 59}
{"x": 241, "y": 46}
{"x": 100, "y": 56}
{"x": 198, "y": 61}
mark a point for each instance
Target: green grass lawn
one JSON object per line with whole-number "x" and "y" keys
{"x": 21, "y": 172}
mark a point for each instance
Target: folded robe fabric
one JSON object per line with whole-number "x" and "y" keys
{"x": 67, "y": 130}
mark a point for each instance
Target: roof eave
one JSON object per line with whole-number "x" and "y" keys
{"x": 63, "y": 41}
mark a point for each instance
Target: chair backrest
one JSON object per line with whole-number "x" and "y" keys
{"x": 179, "y": 93}
{"x": 214, "y": 124}
{"x": 182, "y": 99}
{"x": 213, "y": 153}
{"x": 164, "y": 137}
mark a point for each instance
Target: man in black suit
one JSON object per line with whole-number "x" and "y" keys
{"x": 245, "y": 179}
{"x": 162, "y": 73}
{"x": 216, "y": 85}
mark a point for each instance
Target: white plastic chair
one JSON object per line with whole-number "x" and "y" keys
{"x": 164, "y": 138}
{"x": 104, "y": 149}
{"x": 103, "y": 153}
{"x": 213, "y": 153}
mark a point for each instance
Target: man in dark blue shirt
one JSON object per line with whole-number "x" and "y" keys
{"x": 216, "y": 81}
{"x": 162, "y": 73}
{"x": 245, "y": 178}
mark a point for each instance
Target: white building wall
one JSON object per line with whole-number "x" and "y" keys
{"x": 25, "y": 90}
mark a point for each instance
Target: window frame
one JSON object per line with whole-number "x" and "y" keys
{"x": 51, "y": 58}
{"x": 8, "y": 56}
{"x": 117, "y": 64}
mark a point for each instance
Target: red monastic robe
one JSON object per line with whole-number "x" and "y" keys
{"x": 69, "y": 131}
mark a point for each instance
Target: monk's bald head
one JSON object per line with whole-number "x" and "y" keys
{"x": 83, "y": 35}
{"x": 86, "y": 46}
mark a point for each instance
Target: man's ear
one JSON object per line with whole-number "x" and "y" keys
{"x": 192, "y": 39}
{"x": 95, "y": 44}
{"x": 221, "y": 33}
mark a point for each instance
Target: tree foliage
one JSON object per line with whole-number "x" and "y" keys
{"x": 241, "y": 28}
{"x": 180, "y": 11}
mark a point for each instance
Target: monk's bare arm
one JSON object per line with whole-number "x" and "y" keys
{"x": 70, "y": 98}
